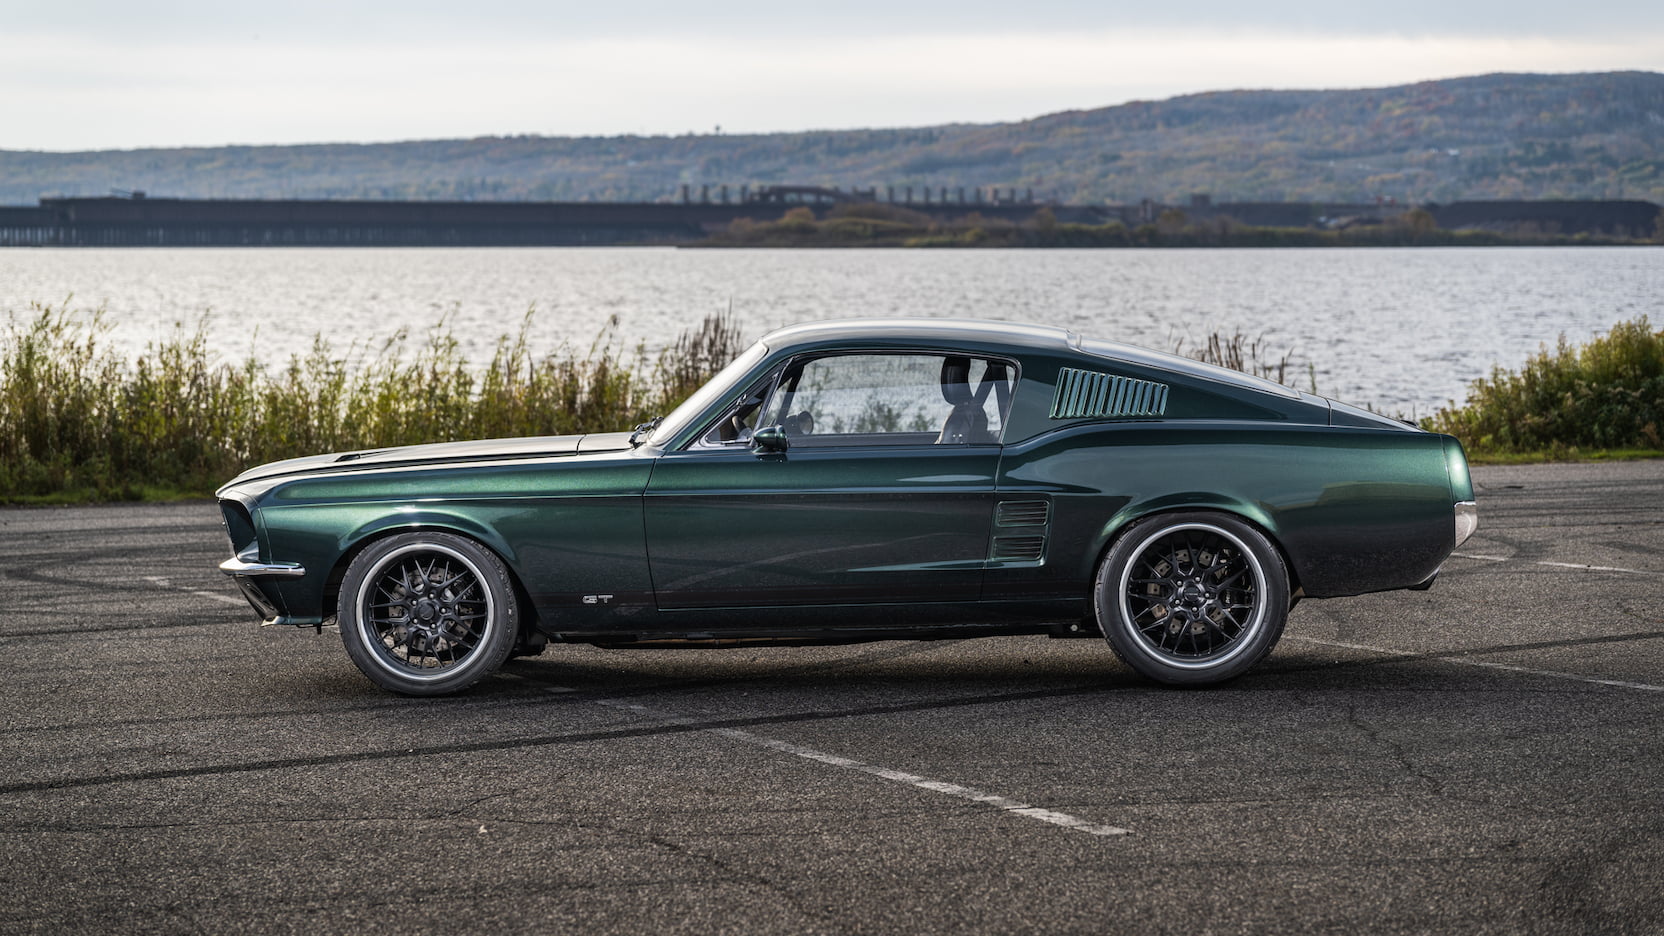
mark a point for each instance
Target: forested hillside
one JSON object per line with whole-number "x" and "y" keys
{"x": 1595, "y": 136}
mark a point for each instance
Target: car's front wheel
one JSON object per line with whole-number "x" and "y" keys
{"x": 427, "y": 613}
{"x": 1192, "y": 598}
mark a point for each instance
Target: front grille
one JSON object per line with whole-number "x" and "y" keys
{"x": 238, "y": 525}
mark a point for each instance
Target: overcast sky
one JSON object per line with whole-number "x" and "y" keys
{"x": 114, "y": 75}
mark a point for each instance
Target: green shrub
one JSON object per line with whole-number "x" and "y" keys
{"x": 79, "y": 422}
{"x": 1607, "y": 394}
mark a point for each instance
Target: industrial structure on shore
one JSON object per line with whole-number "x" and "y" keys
{"x": 131, "y": 219}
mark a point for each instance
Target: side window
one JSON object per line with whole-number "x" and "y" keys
{"x": 890, "y": 399}
{"x": 740, "y": 419}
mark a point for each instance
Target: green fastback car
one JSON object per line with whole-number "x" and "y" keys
{"x": 867, "y": 480}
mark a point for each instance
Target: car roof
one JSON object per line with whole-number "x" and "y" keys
{"x": 988, "y": 333}
{"x": 933, "y": 330}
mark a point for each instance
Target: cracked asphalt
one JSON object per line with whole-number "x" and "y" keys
{"x": 1483, "y": 757}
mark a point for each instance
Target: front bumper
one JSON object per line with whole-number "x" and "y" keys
{"x": 239, "y": 567}
{"x": 244, "y": 569}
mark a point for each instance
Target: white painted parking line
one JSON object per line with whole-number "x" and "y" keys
{"x": 1620, "y": 683}
{"x": 971, "y": 794}
{"x": 161, "y": 582}
{"x": 1466, "y": 661}
{"x": 1592, "y": 568}
{"x": 1559, "y": 565}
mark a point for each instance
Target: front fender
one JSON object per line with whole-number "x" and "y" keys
{"x": 324, "y": 537}
{"x": 406, "y": 518}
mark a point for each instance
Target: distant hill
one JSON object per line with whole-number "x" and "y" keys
{"x": 1598, "y": 136}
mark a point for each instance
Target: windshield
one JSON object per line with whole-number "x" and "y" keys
{"x": 705, "y": 397}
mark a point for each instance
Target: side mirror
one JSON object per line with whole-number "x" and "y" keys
{"x": 769, "y": 439}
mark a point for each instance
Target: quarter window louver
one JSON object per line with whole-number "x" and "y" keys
{"x": 1088, "y": 394}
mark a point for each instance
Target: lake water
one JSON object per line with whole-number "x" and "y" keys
{"x": 1401, "y": 329}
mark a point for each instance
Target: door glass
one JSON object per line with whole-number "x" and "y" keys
{"x": 890, "y": 399}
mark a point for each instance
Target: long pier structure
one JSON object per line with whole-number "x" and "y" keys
{"x": 138, "y": 221}
{"x": 134, "y": 220}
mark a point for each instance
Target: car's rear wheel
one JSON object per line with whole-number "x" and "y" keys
{"x": 1192, "y": 598}
{"x": 427, "y": 613}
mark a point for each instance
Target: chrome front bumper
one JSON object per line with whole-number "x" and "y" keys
{"x": 243, "y": 570}
{"x": 238, "y": 566}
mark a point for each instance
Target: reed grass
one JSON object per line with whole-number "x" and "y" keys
{"x": 80, "y": 422}
{"x": 1240, "y": 353}
{"x": 1607, "y": 394}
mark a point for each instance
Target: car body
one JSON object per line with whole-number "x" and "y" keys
{"x": 866, "y": 480}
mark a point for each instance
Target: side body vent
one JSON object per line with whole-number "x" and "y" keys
{"x": 1088, "y": 394}
{"x": 1019, "y": 548}
{"x": 1020, "y": 530}
{"x": 1022, "y": 513}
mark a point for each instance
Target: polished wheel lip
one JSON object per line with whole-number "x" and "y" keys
{"x": 372, "y": 639}
{"x": 1237, "y": 645}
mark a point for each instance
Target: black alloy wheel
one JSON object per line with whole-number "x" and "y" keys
{"x": 427, "y": 613}
{"x": 1192, "y": 598}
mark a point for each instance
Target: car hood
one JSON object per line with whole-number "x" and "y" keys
{"x": 440, "y": 453}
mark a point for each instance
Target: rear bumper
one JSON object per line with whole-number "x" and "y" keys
{"x": 1467, "y": 520}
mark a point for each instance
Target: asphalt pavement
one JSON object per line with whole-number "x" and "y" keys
{"x": 1483, "y": 757}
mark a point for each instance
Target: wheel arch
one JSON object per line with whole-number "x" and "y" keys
{"x": 382, "y": 528}
{"x": 1132, "y": 514}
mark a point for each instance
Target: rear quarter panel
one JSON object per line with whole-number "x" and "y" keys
{"x": 1354, "y": 509}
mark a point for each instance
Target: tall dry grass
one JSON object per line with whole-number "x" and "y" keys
{"x": 79, "y": 421}
{"x": 1239, "y": 352}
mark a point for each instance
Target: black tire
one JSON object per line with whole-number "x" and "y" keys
{"x": 1192, "y": 598}
{"x": 427, "y": 613}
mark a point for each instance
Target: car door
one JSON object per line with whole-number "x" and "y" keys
{"x": 882, "y": 493}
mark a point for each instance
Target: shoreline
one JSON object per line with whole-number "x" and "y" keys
{"x": 800, "y": 228}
